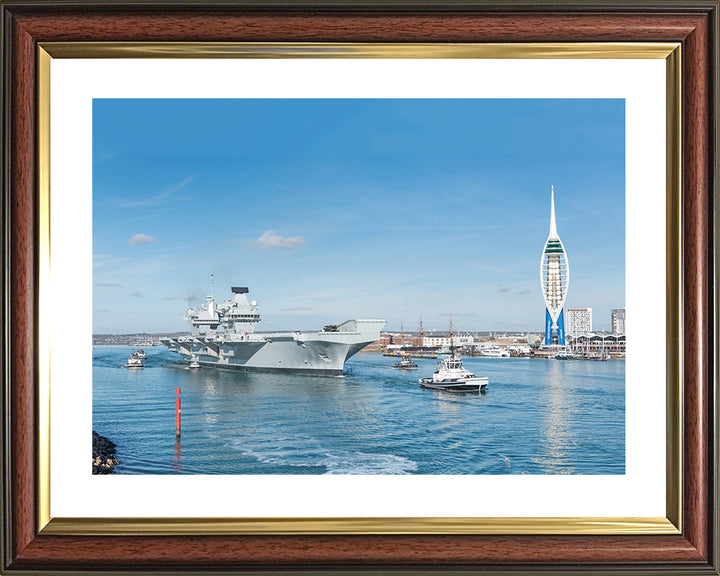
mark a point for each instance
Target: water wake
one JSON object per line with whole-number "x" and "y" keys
{"x": 309, "y": 453}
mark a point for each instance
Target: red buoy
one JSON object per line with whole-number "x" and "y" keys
{"x": 177, "y": 412}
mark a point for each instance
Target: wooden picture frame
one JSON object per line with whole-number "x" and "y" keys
{"x": 29, "y": 547}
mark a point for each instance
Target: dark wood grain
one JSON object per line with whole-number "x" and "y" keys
{"x": 690, "y": 552}
{"x": 697, "y": 200}
{"x": 360, "y": 550}
{"x": 23, "y": 292}
{"x": 360, "y": 28}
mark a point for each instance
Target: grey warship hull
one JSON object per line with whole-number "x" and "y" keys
{"x": 223, "y": 335}
{"x": 306, "y": 352}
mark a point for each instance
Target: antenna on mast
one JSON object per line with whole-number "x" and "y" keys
{"x": 452, "y": 340}
{"x": 212, "y": 285}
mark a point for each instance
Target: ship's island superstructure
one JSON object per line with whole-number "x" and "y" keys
{"x": 223, "y": 335}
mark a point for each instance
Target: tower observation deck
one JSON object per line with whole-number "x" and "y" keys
{"x": 554, "y": 281}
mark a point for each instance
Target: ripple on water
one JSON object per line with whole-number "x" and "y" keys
{"x": 537, "y": 417}
{"x": 309, "y": 453}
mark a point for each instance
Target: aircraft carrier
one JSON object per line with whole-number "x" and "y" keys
{"x": 223, "y": 335}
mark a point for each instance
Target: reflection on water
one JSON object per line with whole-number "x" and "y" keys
{"x": 536, "y": 417}
{"x": 177, "y": 460}
{"x": 556, "y": 429}
{"x": 453, "y": 405}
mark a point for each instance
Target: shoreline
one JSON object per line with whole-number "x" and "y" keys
{"x": 103, "y": 455}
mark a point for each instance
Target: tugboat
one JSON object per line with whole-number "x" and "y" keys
{"x": 450, "y": 376}
{"x": 134, "y": 361}
{"x": 406, "y": 364}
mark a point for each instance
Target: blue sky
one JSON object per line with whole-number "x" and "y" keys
{"x": 335, "y": 209}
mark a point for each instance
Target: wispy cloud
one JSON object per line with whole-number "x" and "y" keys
{"x": 504, "y": 289}
{"x": 106, "y": 261}
{"x": 160, "y": 197}
{"x": 456, "y": 314}
{"x": 108, "y": 285}
{"x": 187, "y": 299}
{"x": 296, "y": 309}
{"x": 142, "y": 239}
{"x": 271, "y": 241}
{"x": 522, "y": 292}
{"x": 176, "y": 188}
{"x": 100, "y": 158}
{"x": 102, "y": 310}
{"x": 136, "y": 294}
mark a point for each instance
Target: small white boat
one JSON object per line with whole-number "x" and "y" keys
{"x": 566, "y": 354}
{"x": 494, "y": 352}
{"x": 450, "y": 376}
{"x": 140, "y": 354}
{"x": 134, "y": 362}
{"x": 194, "y": 365}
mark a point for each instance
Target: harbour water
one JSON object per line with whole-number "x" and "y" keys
{"x": 536, "y": 417}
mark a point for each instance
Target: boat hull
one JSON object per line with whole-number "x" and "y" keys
{"x": 315, "y": 353}
{"x": 474, "y": 385}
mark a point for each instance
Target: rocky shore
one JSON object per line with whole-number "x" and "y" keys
{"x": 103, "y": 455}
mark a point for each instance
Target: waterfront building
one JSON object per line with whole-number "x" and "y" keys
{"x": 385, "y": 339}
{"x": 439, "y": 340}
{"x": 578, "y": 322}
{"x": 554, "y": 281}
{"x": 611, "y": 344}
{"x": 617, "y": 320}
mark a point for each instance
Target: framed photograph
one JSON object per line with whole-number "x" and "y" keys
{"x": 302, "y": 242}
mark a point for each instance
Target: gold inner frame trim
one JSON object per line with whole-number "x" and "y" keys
{"x": 357, "y": 525}
{"x": 673, "y": 288}
{"x": 567, "y": 50}
{"x": 43, "y": 396}
{"x": 288, "y": 526}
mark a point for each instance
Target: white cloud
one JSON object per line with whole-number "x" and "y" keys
{"x": 136, "y": 294}
{"x": 142, "y": 239}
{"x": 270, "y": 241}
